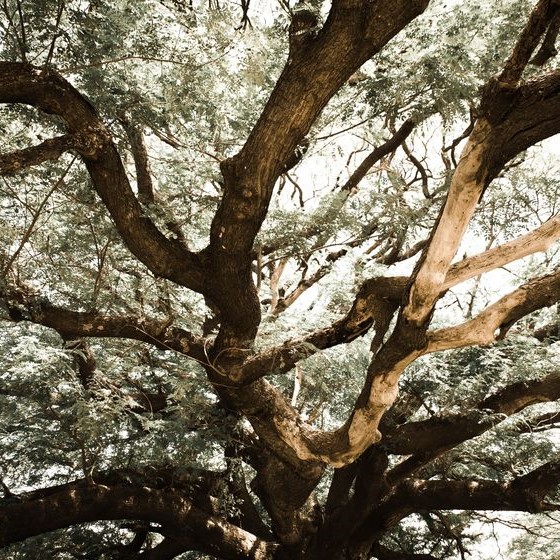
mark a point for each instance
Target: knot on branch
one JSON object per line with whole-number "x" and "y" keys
{"x": 303, "y": 27}
{"x": 90, "y": 141}
{"x": 498, "y": 99}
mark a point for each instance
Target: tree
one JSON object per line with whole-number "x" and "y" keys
{"x": 149, "y": 409}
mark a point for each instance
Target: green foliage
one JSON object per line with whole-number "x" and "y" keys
{"x": 195, "y": 86}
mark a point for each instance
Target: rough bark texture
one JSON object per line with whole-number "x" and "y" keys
{"x": 288, "y": 454}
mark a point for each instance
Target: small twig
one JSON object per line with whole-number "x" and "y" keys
{"x": 56, "y": 35}
{"x": 36, "y": 216}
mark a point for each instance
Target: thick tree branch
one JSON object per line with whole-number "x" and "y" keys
{"x": 375, "y": 304}
{"x": 495, "y": 320}
{"x": 404, "y": 346}
{"x": 528, "y": 41}
{"x": 83, "y": 324}
{"x": 516, "y": 397}
{"x": 548, "y": 47}
{"x": 450, "y": 430}
{"x": 50, "y": 149}
{"x": 80, "y": 502}
{"x": 527, "y": 493}
{"x": 438, "y": 432}
{"x": 353, "y": 32}
{"x": 540, "y": 239}
{"x": 511, "y": 120}
{"x": 378, "y": 296}
{"x": 467, "y": 185}
{"x": 46, "y": 90}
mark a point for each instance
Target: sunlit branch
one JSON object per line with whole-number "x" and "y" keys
{"x": 467, "y": 185}
{"x": 493, "y": 322}
{"x": 540, "y": 239}
{"x": 281, "y": 359}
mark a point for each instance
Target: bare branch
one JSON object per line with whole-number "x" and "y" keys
{"x": 313, "y": 73}
{"x": 467, "y": 185}
{"x": 540, "y": 239}
{"x": 516, "y": 397}
{"x": 491, "y": 323}
{"x": 548, "y": 47}
{"x": 50, "y": 149}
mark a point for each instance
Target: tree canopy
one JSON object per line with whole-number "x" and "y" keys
{"x": 278, "y": 280}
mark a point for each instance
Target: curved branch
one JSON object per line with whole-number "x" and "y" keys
{"x": 315, "y": 70}
{"x": 441, "y": 433}
{"x": 511, "y": 120}
{"x": 76, "y": 324}
{"x": 80, "y": 502}
{"x": 48, "y": 91}
{"x": 492, "y": 323}
{"x": 378, "y": 153}
{"x": 516, "y": 397}
{"x": 380, "y": 297}
{"x": 375, "y": 304}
